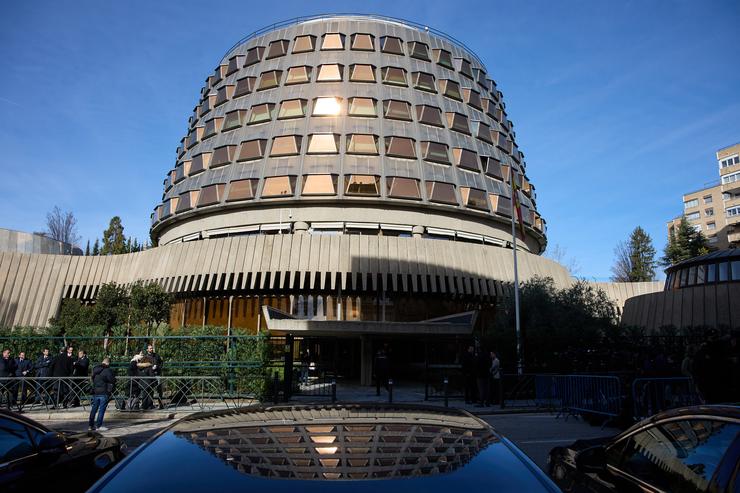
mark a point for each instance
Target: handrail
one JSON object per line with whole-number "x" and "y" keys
{"x": 306, "y": 18}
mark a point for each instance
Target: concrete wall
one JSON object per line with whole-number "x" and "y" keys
{"x": 22, "y": 242}
{"x": 620, "y": 292}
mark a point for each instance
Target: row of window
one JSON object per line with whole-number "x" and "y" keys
{"x": 704, "y": 274}
{"x": 730, "y": 161}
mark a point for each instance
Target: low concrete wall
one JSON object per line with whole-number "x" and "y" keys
{"x": 22, "y": 242}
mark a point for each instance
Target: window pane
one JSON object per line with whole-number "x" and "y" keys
{"x": 465, "y": 158}
{"x": 292, "y": 108}
{"x": 429, "y": 115}
{"x": 400, "y": 147}
{"x": 201, "y": 162}
{"x": 403, "y": 188}
{"x": 362, "y": 185}
{"x": 712, "y": 273}
{"x": 394, "y": 76}
{"x": 252, "y": 149}
{"x": 212, "y": 194}
{"x": 444, "y": 58}
{"x": 419, "y": 50}
{"x": 362, "y": 107}
{"x": 723, "y": 268}
{"x": 362, "y": 73}
{"x": 242, "y": 190}
{"x": 392, "y": 45}
{"x": 736, "y": 270}
{"x": 450, "y": 88}
{"x": 326, "y": 107}
{"x": 244, "y": 86}
{"x": 278, "y": 186}
{"x": 303, "y": 44}
{"x": 234, "y": 119}
{"x": 397, "y": 110}
{"x": 435, "y": 152}
{"x": 333, "y": 41}
{"x": 298, "y": 75}
{"x": 458, "y": 122}
{"x": 424, "y": 81}
{"x": 441, "y": 192}
{"x": 277, "y": 48}
{"x": 483, "y": 132}
{"x": 261, "y": 113}
{"x": 286, "y": 145}
{"x": 330, "y": 73}
{"x": 362, "y": 144}
{"x": 224, "y": 93}
{"x": 500, "y": 204}
{"x": 492, "y": 167}
{"x": 254, "y": 55}
{"x": 363, "y": 42}
{"x": 270, "y": 79}
{"x": 474, "y": 198}
{"x": 213, "y": 126}
{"x": 323, "y": 144}
{"x": 14, "y": 441}
{"x": 472, "y": 98}
{"x": 319, "y": 185}
{"x": 222, "y": 155}
{"x": 463, "y": 66}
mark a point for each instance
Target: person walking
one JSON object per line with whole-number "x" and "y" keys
{"x": 80, "y": 368}
{"x": 156, "y": 372}
{"x": 103, "y": 383}
{"x": 7, "y": 372}
{"x": 495, "y": 379}
{"x": 23, "y": 369}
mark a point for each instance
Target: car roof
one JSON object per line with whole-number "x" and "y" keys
{"x": 24, "y": 419}
{"x": 325, "y": 446}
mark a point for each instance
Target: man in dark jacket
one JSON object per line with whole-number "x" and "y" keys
{"x": 7, "y": 370}
{"x": 103, "y": 380}
{"x": 80, "y": 368}
{"x": 42, "y": 367}
{"x": 23, "y": 369}
{"x": 156, "y": 371}
{"x": 61, "y": 367}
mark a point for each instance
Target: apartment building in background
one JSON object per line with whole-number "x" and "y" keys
{"x": 728, "y": 160}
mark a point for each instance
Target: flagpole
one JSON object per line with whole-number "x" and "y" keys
{"x": 520, "y": 361}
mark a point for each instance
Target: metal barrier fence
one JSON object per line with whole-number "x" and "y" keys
{"x": 444, "y": 382}
{"x": 577, "y": 394}
{"x": 652, "y": 395}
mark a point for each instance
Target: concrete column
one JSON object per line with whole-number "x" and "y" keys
{"x": 417, "y": 231}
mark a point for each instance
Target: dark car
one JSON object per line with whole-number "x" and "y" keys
{"x": 683, "y": 450}
{"x": 326, "y": 448}
{"x": 33, "y": 456}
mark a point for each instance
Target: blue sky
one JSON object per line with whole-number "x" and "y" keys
{"x": 618, "y": 106}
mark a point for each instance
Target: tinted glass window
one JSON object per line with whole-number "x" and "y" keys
{"x": 723, "y": 271}
{"x": 736, "y": 270}
{"x": 14, "y": 441}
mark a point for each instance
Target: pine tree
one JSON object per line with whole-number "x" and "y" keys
{"x": 129, "y": 246}
{"x": 635, "y": 258}
{"x": 96, "y": 247}
{"x": 87, "y": 249}
{"x": 684, "y": 243}
{"x": 114, "y": 241}
{"x": 135, "y": 247}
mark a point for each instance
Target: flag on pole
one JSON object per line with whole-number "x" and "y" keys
{"x": 515, "y": 202}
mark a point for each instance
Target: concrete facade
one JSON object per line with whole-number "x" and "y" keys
{"x": 22, "y": 242}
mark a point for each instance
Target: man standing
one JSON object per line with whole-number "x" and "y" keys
{"x": 156, "y": 371}
{"x": 7, "y": 370}
{"x": 495, "y": 379}
{"x": 382, "y": 369}
{"x": 61, "y": 368}
{"x": 482, "y": 366}
{"x": 104, "y": 380}
{"x": 80, "y": 368}
{"x": 23, "y": 369}
{"x": 467, "y": 364}
{"x": 43, "y": 368}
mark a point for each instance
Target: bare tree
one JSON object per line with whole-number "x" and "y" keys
{"x": 560, "y": 255}
{"x": 62, "y": 226}
{"x": 622, "y": 263}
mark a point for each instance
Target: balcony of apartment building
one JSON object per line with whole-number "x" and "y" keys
{"x": 729, "y": 172}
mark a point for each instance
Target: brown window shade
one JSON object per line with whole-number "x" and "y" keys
{"x": 363, "y": 42}
{"x": 242, "y": 190}
{"x": 292, "y": 108}
{"x": 392, "y": 45}
{"x": 244, "y": 86}
{"x": 362, "y": 73}
{"x": 298, "y": 75}
{"x": 463, "y": 66}
{"x": 223, "y": 155}
{"x": 441, "y": 192}
{"x": 278, "y": 186}
{"x": 483, "y": 132}
{"x": 207, "y": 104}
{"x": 187, "y": 201}
{"x": 194, "y": 136}
{"x": 319, "y": 185}
{"x": 500, "y": 204}
{"x": 435, "y": 152}
{"x": 261, "y": 113}
{"x": 458, "y": 122}
{"x": 254, "y": 55}
{"x": 182, "y": 171}
{"x": 362, "y": 107}
{"x": 201, "y": 162}
{"x": 492, "y": 167}
{"x": 213, "y": 126}
{"x": 502, "y": 141}
{"x": 394, "y": 76}
{"x": 396, "y": 110}
{"x": 219, "y": 73}
{"x": 465, "y": 158}
{"x": 286, "y": 145}
{"x": 472, "y": 98}
{"x": 212, "y": 194}
{"x": 330, "y": 73}
{"x": 400, "y": 147}
{"x": 172, "y": 206}
{"x": 224, "y": 93}
{"x": 269, "y": 80}
{"x": 362, "y": 144}
{"x": 419, "y": 50}
{"x": 235, "y": 63}
{"x": 450, "y": 88}
{"x": 323, "y": 144}
{"x": 252, "y": 149}
{"x": 429, "y": 115}
{"x": 362, "y": 185}
{"x": 444, "y": 58}
{"x": 277, "y": 48}
{"x": 474, "y": 198}
{"x": 333, "y": 41}
{"x": 403, "y": 188}
{"x": 424, "y": 81}
{"x": 302, "y": 44}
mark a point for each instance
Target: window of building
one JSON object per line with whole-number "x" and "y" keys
{"x": 692, "y": 216}
{"x": 213, "y": 126}
{"x": 367, "y": 185}
{"x": 269, "y": 80}
{"x": 472, "y": 98}
{"x": 424, "y": 81}
{"x": 279, "y": 186}
{"x": 298, "y": 75}
{"x": 187, "y": 201}
{"x": 254, "y": 55}
{"x": 362, "y": 107}
{"x": 362, "y": 144}
{"x": 429, "y": 115}
{"x": 242, "y": 190}
{"x": 303, "y": 44}
{"x": 400, "y": 147}
{"x": 223, "y": 155}
{"x": 403, "y": 188}
{"x": 458, "y": 122}
{"x": 182, "y": 170}
{"x": 277, "y": 48}
{"x": 691, "y": 203}
{"x": 730, "y": 161}
{"x": 292, "y": 108}
{"x": 194, "y": 136}
{"x": 286, "y": 145}
{"x": 330, "y": 73}
{"x": 501, "y": 140}
{"x": 492, "y": 167}
{"x": 235, "y": 63}
{"x": 219, "y": 73}
{"x": 709, "y": 211}
{"x": 319, "y": 185}
{"x": 735, "y": 270}
{"x": 707, "y": 199}
{"x": 500, "y": 204}
{"x": 474, "y": 198}
{"x": 363, "y": 42}
{"x": 435, "y": 152}
{"x": 200, "y": 162}
{"x": 252, "y": 149}
{"x": 732, "y": 211}
{"x": 362, "y": 73}
{"x": 731, "y": 178}
{"x": 326, "y": 106}
{"x": 333, "y": 41}
{"x": 261, "y": 113}
{"x": 244, "y": 86}
{"x": 711, "y": 226}
{"x": 207, "y": 104}
{"x": 482, "y": 132}
{"x": 450, "y": 88}
{"x": 394, "y": 76}
{"x": 419, "y": 50}
{"x": 443, "y": 57}
{"x": 396, "y": 110}
{"x": 441, "y": 192}
{"x": 212, "y": 194}
{"x": 323, "y": 144}
{"x": 463, "y": 66}
{"x": 224, "y": 93}
{"x": 465, "y": 158}
{"x": 392, "y": 45}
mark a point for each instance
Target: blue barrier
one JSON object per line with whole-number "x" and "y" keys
{"x": 652, "y": 395}
{"x": 580, "y": 394}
